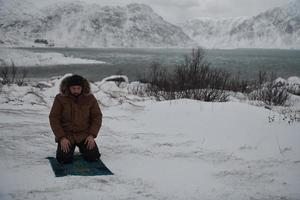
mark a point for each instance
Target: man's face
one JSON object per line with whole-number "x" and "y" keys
{"x": 75, "y": 90}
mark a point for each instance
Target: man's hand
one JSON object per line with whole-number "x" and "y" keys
{"x": 90, "y": 142}
{"x": 65, "y": 144}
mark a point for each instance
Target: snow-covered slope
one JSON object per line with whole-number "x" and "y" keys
{"x": 78, "y": 24}
{"x": 181, "y": 149}
{"x": 275, "y": 28}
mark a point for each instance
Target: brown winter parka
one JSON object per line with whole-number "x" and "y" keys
{"x": 75, "y": 118}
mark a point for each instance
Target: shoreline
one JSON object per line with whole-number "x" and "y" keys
{"x": 26, "y": 58}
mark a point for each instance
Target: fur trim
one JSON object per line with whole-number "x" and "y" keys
{"x": 64, "y": 90}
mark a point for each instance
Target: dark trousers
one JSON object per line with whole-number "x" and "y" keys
{"x": 88, "y": 154}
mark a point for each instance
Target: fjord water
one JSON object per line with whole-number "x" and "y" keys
{"x": 134, "y": 62}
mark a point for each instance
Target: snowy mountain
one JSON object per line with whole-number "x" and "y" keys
{"x": 275, "y": 28}
{"x": 78, "y": 24}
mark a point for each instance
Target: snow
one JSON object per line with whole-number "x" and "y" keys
{"x": 114, "y": 77}
{"x": 27, "y": 58}
{"x": 179, "y": 149}
{"x": 280, "y": 81}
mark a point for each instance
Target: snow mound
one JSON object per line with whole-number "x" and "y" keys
{"x": 107, "y": 91}
{"x": 294, "y": 80}
{"x": 293, "y": 84}
{"x": 280, "y": 81}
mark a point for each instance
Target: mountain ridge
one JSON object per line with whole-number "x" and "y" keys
{"x": 275, "y": 28}
{"x": 78, "y": 24}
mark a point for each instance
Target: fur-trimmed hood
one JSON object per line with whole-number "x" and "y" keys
{"x": 64, "y": 90}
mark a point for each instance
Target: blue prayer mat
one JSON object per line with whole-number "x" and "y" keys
{"x": 79, "y": 167}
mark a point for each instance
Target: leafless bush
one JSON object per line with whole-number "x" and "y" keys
{"x": 209, "y": 95}
{"x": 262, "y": 77}
{"x": 195, "y": 73}
{"x": 140, "y": 89}
{"x": 271, "y": 93}
{"x": 159, "y": 77}
{"x": 10, "y": 73}
{"x": 192, "y": 79}
{"x": 237, "y": 84}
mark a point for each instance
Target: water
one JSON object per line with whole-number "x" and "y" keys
{"x": 135, "y": 62}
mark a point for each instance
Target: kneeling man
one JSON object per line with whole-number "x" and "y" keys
{"x": 75, "y": 119}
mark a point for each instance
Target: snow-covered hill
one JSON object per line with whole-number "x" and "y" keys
{"x": 275, "y": 28}
{"x": 78, "y": 24}
{"x": 181, "y": 149}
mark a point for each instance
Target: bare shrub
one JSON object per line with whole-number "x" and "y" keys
{"x": 237, "y": 84}
{"x": 192, "y": 79}
{"x": 208, "y": 95}
{"x": 271, "y": 93}
{"x": 139, "y": 89}
{"x": 195, "y": 73}
{"x": 13, "y": 72}
{"x": 10, "y": 74}
{"x": 212, "y": 95}
{"x": 262, "y": 77}
{"x": 21, "y": 81}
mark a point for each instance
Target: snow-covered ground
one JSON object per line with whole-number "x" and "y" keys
{"x": 27, "y": 58}
{"x": 180, "y": 149}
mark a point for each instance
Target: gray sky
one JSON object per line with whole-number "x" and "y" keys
{"x": 182, "y": 10}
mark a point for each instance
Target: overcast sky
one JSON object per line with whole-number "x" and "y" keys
{"x": 181, "y": 10}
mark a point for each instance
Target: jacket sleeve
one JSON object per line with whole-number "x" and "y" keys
{"x": 95, "y": 118}
{"x": 55, "y": 119}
